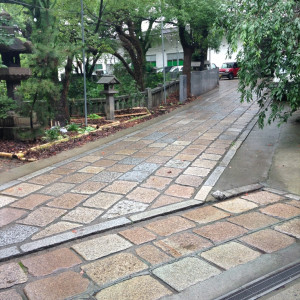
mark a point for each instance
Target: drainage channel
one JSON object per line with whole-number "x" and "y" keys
{"x": 264, "y": 286}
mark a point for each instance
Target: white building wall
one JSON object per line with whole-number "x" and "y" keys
{"x": 219, "y": 57}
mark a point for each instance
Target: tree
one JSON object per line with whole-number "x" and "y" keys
{"x": 270, "y": 33}
{"x": 195, "y": 20}
{"x": 126, "y": 18}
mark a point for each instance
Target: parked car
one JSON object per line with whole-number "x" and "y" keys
{"x": 229, "y": 70}
{"x": 167, "y": 70}
{"x": 213, "y": 66}
{"x": 176, "y": 69}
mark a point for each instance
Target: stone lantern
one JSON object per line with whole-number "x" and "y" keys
{"x": 109, "y": 81}
{"x": 13, "y": 73}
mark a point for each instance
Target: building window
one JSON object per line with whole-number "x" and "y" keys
{"x": 175, "y": 59}
{"x": 98, "y": 67}
{"x": 151, "y": 60}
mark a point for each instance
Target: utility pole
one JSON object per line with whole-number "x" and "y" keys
{"x": 83, "y": 58}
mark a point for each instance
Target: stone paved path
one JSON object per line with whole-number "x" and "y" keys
{"x": 159, "y": 257}
{"x": 167, "y": 166}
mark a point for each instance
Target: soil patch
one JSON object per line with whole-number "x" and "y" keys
{"x": 123, "y": 119}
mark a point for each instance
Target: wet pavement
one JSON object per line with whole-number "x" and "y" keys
{"x": 128, "y": 220}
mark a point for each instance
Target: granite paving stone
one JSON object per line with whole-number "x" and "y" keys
{"x": 106, "y": 176}
{"x": 8, "y": 252}
{"x": 55, "y": 229}
{"x": 210, "y": 156}
{"x": 146, "y": 167}
{"x": 202, "y": 172}
{"x": 138, "y": 235}
{"x": 62, "y": 171}
{"x": 205, "y": 214}
{"x": 103, "y": 163}
{"x": 89, "y": 158}
{"x": 120, "y": 187}
{"x": 8, "y": 215}
{"x": 120, "y": 168}
{"x": 166, "y": 200}
{"x": 137, "y": 176}
{"x": 51, "y": 262}
{"x": 62, "y": 286}
{"x": 170, "y": 225}
{"x": 291, "y": 228}
{"x": 91, "y": 170}
{"x": 253, "y": 220}
{"x": 57, "y": 189}
{"x": 31, "y": 201}
{"x": 11, "y": 274}
{"x": 101, "y": 246}
{"x": 22, "y": 189}
{"x": 220, "y": 231}
{"x": 203, "y": 192}
{"x": 16, "y": 234}
{"x": 126, "y": 151}
{"x": 167, "y": 153}
{"x": 11, "y": 294}
{"x": 185, "y": 157}
{"x": 281, "y": 210}
{"x": 189, "y": 180}
{"x": 82, "y": 215}
{"x": 143, "y": 195}
{"x": 230, "y": 255}
{"x": 75, "y": 165}
{"x": 156, "y": 182}
{"x": 181, "y": 143}
{"x": 45, "y": 179}
{"x": 236, "y": 205}
{"x": 152, "y": 254}
{"x": 4, "y": 200}
{"x": 294, "y": 203}
{"x": 204, "y": 163}
{"x": 263, "y": 197}
{"x": 124, "y": 207}
{"x": 101, "y": 271}
{"x": 158, "y": 159}
{"x": 268, "y": 240}
{"x": 182, "y": 244}
{"x": 67, "y": 201}
{"x": 76, "y": 178}
{"x": 168, "y": 172}
{"x": 42, "y": 216}
{"x": 181, "y": 191}
{"x": 89, "y": 187}
{"x": 185, "y": 272}
{"x": 131, "y": 161}
{"x": 102, "y": 200}
{"x": 137, "y": 288}
{"x": 176, "y": 163}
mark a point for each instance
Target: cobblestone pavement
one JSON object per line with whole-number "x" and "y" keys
{"x": 159, "y": 257}
{"x": 130, "y": 184}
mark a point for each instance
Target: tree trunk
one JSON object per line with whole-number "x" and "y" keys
{"x": 62, "y": 113}
{"x": 187, "y": 61}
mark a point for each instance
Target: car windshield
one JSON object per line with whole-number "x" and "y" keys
{"x": 227, "y": 65}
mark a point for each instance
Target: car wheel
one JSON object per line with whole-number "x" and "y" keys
{"x": 230, "y": 76}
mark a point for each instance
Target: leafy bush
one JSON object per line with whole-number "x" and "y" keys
{"x": 73, "y": 127}
{"x": 6, "y": 104}
{"x": 94, "y": 117}
{"x": 52, "y": 134}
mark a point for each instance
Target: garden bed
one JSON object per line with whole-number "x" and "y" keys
{"x": 39, "y": 149}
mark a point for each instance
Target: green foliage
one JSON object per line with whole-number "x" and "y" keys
{"x": 6, "y": 104}
{"x": 93, "y": 89}
{"x": 94, "y": 117}
{"x": 52, "y": 134}
{"x": 73, "y": 127}
{"x": 270, "y": 33}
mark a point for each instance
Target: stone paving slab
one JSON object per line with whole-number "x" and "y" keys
{"x": 182, "y": 154}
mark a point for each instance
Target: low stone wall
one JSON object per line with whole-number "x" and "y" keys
{"x": 204, "y": 81}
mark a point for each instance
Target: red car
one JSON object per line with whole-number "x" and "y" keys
{"x": 229, "y": 70}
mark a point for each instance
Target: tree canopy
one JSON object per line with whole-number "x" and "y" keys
{"x": 270, "y": 57}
